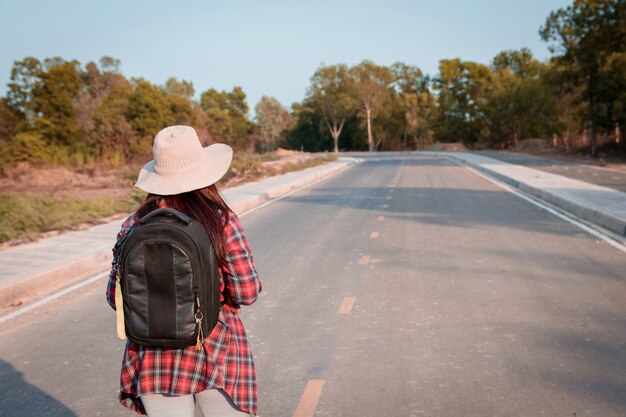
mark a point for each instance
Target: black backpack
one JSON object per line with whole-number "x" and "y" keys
{"x": 169, "y": 281}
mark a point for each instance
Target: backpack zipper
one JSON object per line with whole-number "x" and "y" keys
{"x": 199, "y": 318}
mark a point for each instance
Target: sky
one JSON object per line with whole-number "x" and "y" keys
{"x": 267, "y": 47}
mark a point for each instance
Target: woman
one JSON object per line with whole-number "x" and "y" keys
{"x": 220, "y": 376}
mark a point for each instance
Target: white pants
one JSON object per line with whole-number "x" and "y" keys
{"x": 212, "y": 403}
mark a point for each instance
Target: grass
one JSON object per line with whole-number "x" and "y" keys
{"x": 24, "y": 216}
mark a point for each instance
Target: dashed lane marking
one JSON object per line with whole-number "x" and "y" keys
{"x": 346, "y": 305}
{"x": 309, "y": 399}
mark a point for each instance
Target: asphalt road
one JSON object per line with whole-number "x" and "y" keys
{"x": 610, "y": 178}
{"x": 405, "y": 286}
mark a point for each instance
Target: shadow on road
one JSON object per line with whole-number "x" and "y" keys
{"x": 450, "y": 207}
{"x": 588, "y": 361}
{"x": 19, "y": 398}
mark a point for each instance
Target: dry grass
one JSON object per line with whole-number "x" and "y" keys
{"x": 37, "y": 201}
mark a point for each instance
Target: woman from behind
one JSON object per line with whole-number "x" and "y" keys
{"x": 218, "y": 374}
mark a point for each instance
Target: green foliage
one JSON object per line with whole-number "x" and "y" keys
{"x": 25, "y": 77}
{"x": 53, "y": 103}
{"x": 523, "y": 102}
{"x": 26, "y": 146}
{"x": 371, "y": 89}
{"x": 330, "y": 95}
{"x": 227, "y": 114}
{"x": 57, "y": 111}
{"x": 309, "y": 133}
{"x": 10, "y": 119}
{"x": 463, "y": 88}
{"x": 414, "y": 98}
{"x": 148, "y": 114}
{"x": 112, "y": 133}
{"x": 180, "y": 88}
{"x": 588, "y": 39}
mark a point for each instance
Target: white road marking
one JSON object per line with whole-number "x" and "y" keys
{"x": 52, "y": 297}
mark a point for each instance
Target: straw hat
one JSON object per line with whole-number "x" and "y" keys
{"x": 181, "y": 164}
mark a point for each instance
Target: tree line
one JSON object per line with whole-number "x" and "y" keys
{"x": 63, "y": 112}
{"x": 574, "y": 98}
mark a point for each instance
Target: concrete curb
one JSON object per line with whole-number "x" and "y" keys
{"x": 241, "y": 199}
{"x": 611, "y": 215}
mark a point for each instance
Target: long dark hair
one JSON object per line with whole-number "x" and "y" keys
{"x": 205, "y": 205}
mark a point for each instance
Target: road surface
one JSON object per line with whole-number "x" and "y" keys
{"x": 405, "y": 286}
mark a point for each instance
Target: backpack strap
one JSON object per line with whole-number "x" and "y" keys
{"x": 119, "y": 301}
{"x": 119, "y": 307}
{"x": 168, "y": 212}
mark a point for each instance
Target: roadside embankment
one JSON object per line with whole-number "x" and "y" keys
{"x": 38, "y": 268}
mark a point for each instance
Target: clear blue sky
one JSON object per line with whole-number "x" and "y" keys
{"x": 267, "y": 47}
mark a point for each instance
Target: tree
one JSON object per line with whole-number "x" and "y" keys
{"x": 308, "y": 133}
{"x": 179, "y": 97}
{"x": 588, "y": 36}
{"x": 112, "y": 133}
{"x": 272, "y": 119}
{"x": 25, "y": 77}
{"x": 97, "y": 84}
{"x": 522, "y": 103}
{"x": 329, "y": 92}
{"x": 148, "y": 113}
{"x": 227, "y": 114}
{"x": 10, "y": 119}
{"x": 464, "y": 89}
{"x": 54, "y": 99}
{"x": 417, "y": 103}
{"x": 371, "y": 87}
{"x": 181, "y": 88}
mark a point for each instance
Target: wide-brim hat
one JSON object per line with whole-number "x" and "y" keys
{"x": 181, "y": 164}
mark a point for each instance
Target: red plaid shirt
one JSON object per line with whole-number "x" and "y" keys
{"x": 226, "y": 360}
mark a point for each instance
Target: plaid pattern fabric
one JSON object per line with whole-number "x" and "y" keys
{"x": 226, "y": 360}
